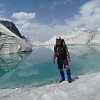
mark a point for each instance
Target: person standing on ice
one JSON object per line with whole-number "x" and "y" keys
{"x": 63, "y": 57}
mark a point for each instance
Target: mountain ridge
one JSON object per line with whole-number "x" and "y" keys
{"x": 79, "y": 36}
{"x": 12, "y": 43}
{"x": 11, "y": 26}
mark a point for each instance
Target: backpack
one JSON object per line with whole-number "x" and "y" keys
{"x": 60, "y": 50}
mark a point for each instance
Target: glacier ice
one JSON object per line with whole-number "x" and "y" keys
{"x": 11, "y": 43}
{"x": 78, "y": 36}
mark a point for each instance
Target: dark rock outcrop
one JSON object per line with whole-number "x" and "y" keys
{"x": 11, "y": 26}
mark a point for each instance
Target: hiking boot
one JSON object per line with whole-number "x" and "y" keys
{"x": 61, "y": 80}
{"x": 70, "y": 81}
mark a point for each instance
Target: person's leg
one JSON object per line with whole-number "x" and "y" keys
{"x": 60, "y": 67}
{"x": 68, "y": 72}
{"x": 62, "y": 75}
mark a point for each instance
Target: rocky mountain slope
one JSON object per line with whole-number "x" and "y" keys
{"x": 11, "y": 26}
{"x": 11, "y": 42}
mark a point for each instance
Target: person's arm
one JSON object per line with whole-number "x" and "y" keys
{"x": 68, "y": 55}
{"x": 67, "y": 52}
{"x": 54, "y": 55}
{"x": 54, "y": 58}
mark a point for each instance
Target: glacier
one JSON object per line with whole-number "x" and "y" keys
{"x": 11, "y": 43}
{"x": 34, "y": 43}
{"x": 78, "y": 36}
{"x": 87, "y": 87}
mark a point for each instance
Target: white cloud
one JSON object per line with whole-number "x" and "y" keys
{"x": 23, "y": 17}
{"x": 87, "y": 17}
{"x": 39, "y": 31}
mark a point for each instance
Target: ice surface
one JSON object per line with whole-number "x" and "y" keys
{"x": 87, "y": 87}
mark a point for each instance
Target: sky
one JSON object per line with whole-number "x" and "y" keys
{"x": 42, "y": 19}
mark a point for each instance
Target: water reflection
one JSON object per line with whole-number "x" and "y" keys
{"x": 81, "y": 49}
{"x": 84, "y": 49}
{"x": 11, "y": 61}
{"x": 32, "y": 69}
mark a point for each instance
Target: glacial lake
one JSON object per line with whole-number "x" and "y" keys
{"x": 36, "y": 68}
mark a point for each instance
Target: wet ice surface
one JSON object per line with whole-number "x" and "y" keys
{"x": 87, "y": 87}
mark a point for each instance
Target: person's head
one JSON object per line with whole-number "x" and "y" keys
{"x": 63, "y": 41}
{"x": 58, "y": 40}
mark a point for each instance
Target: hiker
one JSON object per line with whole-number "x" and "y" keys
{"x": 63, "y": 57}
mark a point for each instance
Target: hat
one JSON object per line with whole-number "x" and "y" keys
{"x": 58, "y": 37}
